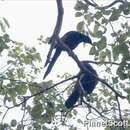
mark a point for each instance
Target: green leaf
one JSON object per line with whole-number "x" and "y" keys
{"x": 13, "y": 123}
{"x": 88, "y": 18}
{"x": 108, "y": 54}
{"x": 98, "y": 15}
{"x": 107, "y": 128}
{"x": 2, "y": 26}
{"x": 78, "y": 14}
{"x": 79, "y": 6}
{"x": 37, "y": 57}
{"x": 80, "y": 121}
{"x": 45, "y": 128}
{"x": 20, "y": 127}
{"x": 98, "y": 104}
{"x": 10, "y": 62}
{"x": 115, "y": 15}
{"x": 102, "y": 56}
{"x": 99, "y": 34}
{"x": 6, "y": 38}
{"x": 96, "y": 27}
{"x": 113, "y": 34}
{"x": 37, "y": 111}
{"x": 36, "y": 126}
{"x": 101, "y": 44}
{"x": 107, "y": 12}
{"x": 122, "y": 37}
{"x": 75, "y": 112}
{"x": 116, "y": 52}
{"x": 115, "y": 80}
{"x": 121, "y": 49}
{"x": 12, "y": 94}
{"x": 93, "y": 51}
{"x": 126, "y": 11}
{"x": 27, "y": 60}
{"x": 124, "y": 49}
{"x": 104, "y": 21}
{"x": 21, "y": 90}
{"x": 121, "y": 71}
{"x": 128, "y": 97}
{"x": 6, "y": 22}
{"x": 80, "y": 26}
{"x": 96, "y": 32}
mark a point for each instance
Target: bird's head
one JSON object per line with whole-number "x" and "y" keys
{"x": 74, "y": 38}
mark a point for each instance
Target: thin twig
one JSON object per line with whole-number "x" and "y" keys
{"x": 104, "y": 7}
{"x": 94, "y": 109}
{"x": 128, "y": 17}
{"x": 120, "y": 115}
{"x": 4, "y": 115}
{"x": 104, "y": 82}
{"x": 41, "y": 92}
{"x": 102, "y": 62}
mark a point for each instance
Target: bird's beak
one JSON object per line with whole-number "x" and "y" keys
{"x": 91, "y": 43}
{"x": 84, "y": 44}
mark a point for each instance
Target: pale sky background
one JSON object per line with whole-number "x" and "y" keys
{"x": 30, "y": 19}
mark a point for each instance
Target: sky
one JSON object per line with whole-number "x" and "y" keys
{"x": 30, "y": 19}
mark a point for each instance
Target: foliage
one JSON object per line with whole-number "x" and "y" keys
{"x": 18, "y": 83}
{"x": 41, "y": 105}
{"x": 109, "y": 28}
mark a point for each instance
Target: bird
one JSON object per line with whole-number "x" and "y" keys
{"x": 72, "y": 40}
{"x": 87, "y": 80}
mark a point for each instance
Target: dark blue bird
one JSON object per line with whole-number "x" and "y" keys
{"x": 88, "y": 82}
{"x": 71, "y": 39}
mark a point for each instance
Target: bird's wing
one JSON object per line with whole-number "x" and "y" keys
{"x": 73, "y": 98}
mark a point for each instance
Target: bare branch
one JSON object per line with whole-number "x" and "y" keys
{"x": 104, "y": 7}
{"x": 120, "y": 115}
{"x": 41, "y": 92}
{"x": 57, "y": 29}
{"x": 4, "y": 115}
{"x": 94, "y": 109}
{"x": 103, "y": 62}
{"x": 104, "y": 82}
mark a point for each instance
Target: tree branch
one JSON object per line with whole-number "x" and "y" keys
{"x": 102, "y": 62}
{"x": 104, "y": 7}
{"x": 41, "y": 92}
{"x": 4, "y": 115}
{"x": 94, "y": 109}
{"x": 57, "y": 29}
{"x": 120, "y": 115}
{"x": 116, "y": 93}
{"x": 82, "y": 67}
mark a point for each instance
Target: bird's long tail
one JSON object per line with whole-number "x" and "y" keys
{"x": 73, "y": 98}
{"x": 51, "y": 64}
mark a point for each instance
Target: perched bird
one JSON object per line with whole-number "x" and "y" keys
{"x": 71, "y": 39}
{"x": 86, "y": 81}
